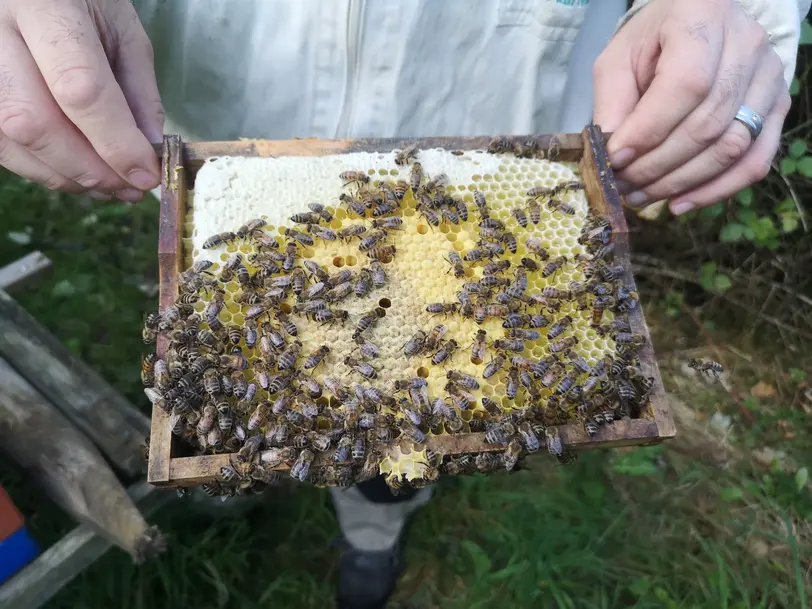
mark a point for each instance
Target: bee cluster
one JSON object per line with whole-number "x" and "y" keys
{"x": 257, "y": 389}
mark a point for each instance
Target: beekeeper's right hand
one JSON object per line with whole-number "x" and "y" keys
{"x": 79, "y": 103}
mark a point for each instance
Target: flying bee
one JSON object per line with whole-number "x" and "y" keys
{"x": 363, "y": 368}
{"x": 368, "y": 320}
{"x": 494, "y": 366}
{"x": 564, "y": 208}
{"x": 553, "y": 266}
{"x": 455, "y": 261}
{"x": 534, "y": 245}
{"x": 415, "y": 344}
{"x": 559, "y": 327}
{"x": 520, "y": 215}
{"x": 521, "y": 333}
{"x": 463, "y": 379}
{"x": 445, "y": 352}
{"x": 493, "y": 268}
{"x": 708, "y": 368}
{"x": 219, "y": 239}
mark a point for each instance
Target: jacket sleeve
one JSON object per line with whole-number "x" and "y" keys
{"x": 780, "y": 18}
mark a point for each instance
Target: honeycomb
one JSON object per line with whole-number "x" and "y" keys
{"x": 230, "y": 192}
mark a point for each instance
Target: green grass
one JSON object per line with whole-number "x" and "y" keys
{"x": 658, "y": 527}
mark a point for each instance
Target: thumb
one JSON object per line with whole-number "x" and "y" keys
{"x": 134, "y": 69}
{"x": 615, "y": 87}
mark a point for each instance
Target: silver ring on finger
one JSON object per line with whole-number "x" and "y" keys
{"x": 750, "y": 119}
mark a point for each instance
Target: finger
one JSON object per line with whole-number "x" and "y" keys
{"x": 751, "y": 168}
{"x": 30, "y": 118}
{"x": 615, "y": 89}
{"x": 746, "y": 64}
{"x": 67, "y": 49}
{"x": 732, "y": 145}
{"x": 686, "y": 69}
{"x": 17, "y": 159}
{"x": 135, "y": 72}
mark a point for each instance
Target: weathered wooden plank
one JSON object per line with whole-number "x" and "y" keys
{"x": 170, "y": 258}
{"x": 39, "y": 581}
{"x": 66, "y": 465}
{"x": 117, "y": 427}
{"x": 24, "y": 271}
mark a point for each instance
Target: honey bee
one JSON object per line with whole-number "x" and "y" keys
{"x": 553, "y": 266}
{"x": 206, "y": 422}
{"x": 305, "y": 218}
{"x": 211, "y": 382}
{"x": 708, "y": 368}
{"x": 603, "y": 252}
{"x": 477, "y": 254}
{"x": 363, "y": 368}
{"x": 330, "y": 316}
{"x": 321, "y": 232}
{"x": 611, "y": 273}
{"x": 264, "y": 241}
{"x": 498, "y": 433}
{"x": 569, "y": 185}
{"x": 442, "y": 308}
{"x": 321, "y": 210}
{"x": 512, "y": 383}
{"x": 314, "y": 359}
{"x": 512, "y": 454}
{"x": 445, "y": 352}
{"x": 540, "y": 191}
{"x": 529, "y": 264}
{"x": 350, "y": 177}
{"x": 412, "y": 432}
{"x": 563, "y": 344}
{"x": 148, "y": 369}
{"x": 368, "y": 320}
{"x": 219, "y": 239}
{"x": 521, "y": 333}
{"x": 383, "y": 253}
{"x": 415, "y": 344}
{"x": 301, "y": 467}
{"x": 400, "y": 189}
{"x": 368, "y": 349}
{"x": 350, "y": 231}
{"x": 290, "y": 257}
{"x": 227, "y": 272}
{"x": 455, "y": 261}
{"x": 302, "y": 238}
{"x": 627, "y": 338}
{"x": 494, "y": 366}
{"x": 288, "y": 357}
{"x": 552, "y": 375}
{"x": 505, "y": 344}
{"x": 363, "y": 283}
{"x": 378, "y": 274}
{"x": 371, "y": 240}
{"x": 564, "y": 208}
{"x": 500, "y": 145}
{"x": 491, "y": 406}
{"x": 520, "y": 215}
{"x": 492, "y": 223}
{"x": 463, "y": 379}
{"x": 559, "y": 327}
{"x": 554, "y": 444}
{"x": 493, "y": 268}
{"x": 416, "y": 176}
{"x": 535, "y": 246}
{"x": 534, "y": 211}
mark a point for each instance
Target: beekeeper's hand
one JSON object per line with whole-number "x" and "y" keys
{"x": 79, "y": 102}
{"x": 669, "y": 85}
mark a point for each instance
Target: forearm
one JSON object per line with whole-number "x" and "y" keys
{"x": 780, "y": 18}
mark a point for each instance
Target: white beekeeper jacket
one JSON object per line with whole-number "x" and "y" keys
{"x": 385, "y": 68}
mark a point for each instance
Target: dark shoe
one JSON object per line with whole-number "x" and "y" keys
{"x": 366, "y": 579}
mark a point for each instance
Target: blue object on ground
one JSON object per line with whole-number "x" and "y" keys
{"x": 16, "y": 551}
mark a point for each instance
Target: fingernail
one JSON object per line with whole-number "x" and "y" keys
{"x": 142, "y": 179}
{"x": 623, "y": 186}
{"x": 637, "y": 198}
{"x": 99, "y": 196}
{"x": 129, "y": 194}
{"x": 621, "y": 158}
{"x": 683, "y": 207}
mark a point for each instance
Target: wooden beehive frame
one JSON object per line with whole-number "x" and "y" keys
{"x": 180, "y": 164}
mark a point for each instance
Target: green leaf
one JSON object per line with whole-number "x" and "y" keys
{"x": 731, "y": 232}
{"x": 722, "y": 282}
{"x": 745, "y": 197}
{"x": 63, "y": 288}
{"x": 748, "y": 217}
{"x": 805, "y": 166}
{"x": 706, "y": 274}
{"x": 748, "y": 233}
{"x": 795, "y": 87}
{"x": 788, "y": 166}
{"x": 797, "y": 375}
{"x": 482, "y": 564}
{"x": 798, "y": 148}
{"x": 712, "y": 211}
{"x": 789, "y": 222}
{"x": 806, "y": 33}
{"x": 787, "y": 205}
{"x": 801, "y": 478}
{"x": 733, "y": 493}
